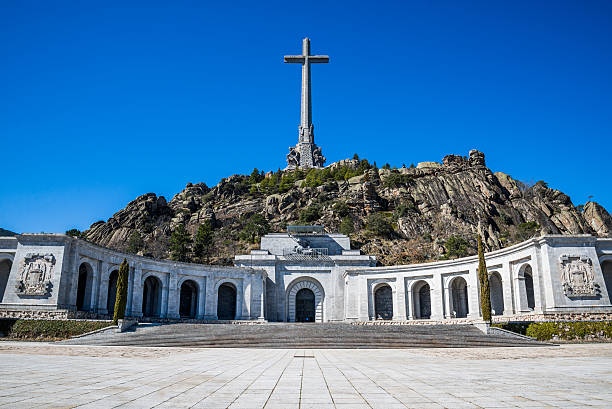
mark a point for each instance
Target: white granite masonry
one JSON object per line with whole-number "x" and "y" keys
{"x": 307, "y": 276}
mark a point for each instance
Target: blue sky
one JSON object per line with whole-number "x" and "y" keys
{"x": 101, "y": 102}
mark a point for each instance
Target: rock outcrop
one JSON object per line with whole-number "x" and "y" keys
{"x": 425, "y": 206}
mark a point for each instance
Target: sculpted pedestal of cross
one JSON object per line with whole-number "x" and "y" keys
{"x": 306, "y": 154}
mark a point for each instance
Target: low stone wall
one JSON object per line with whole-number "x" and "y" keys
{"x": 35, "y": 314}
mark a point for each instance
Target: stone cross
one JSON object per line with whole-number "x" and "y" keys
{"x": 306, "y": 153}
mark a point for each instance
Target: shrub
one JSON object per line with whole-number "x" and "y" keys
{"x": 179, "y": 244}
{"x": 310, "y": 214}
{"x": 456, "y": 247}
{"x": 378, "y": 225}
{"x": 255, "y": 227}
{"x": 135, "y": 243}
{"x": 53, "y": 329}
{"x": 563, "y": 330}
{"x": 347, "y": 226}
{"x": 122, "y": 291}
{"x": 341, "y": 209}
{"x": 527, "y": 230}
{"x": 403, "y": 210}
{"x": 203, "y": 241}
{"x": 395, "y": 179}
{"x": 74, "y": 233}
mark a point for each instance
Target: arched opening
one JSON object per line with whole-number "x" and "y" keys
{"x": 226, "y": 302}
{"x": 606, "y": 269}
{"x": 383, "y": 303}
{"x": 151, "y": 297}
{"x": 422, "y": 300}
{"x": 5, "y": 270}
{"x": 188, "y": 305}
{"x": 529, "y": 287}
{"x": 111, "y": 297}
{"x": 84, "y": 287}
{"x": 305, "y": 305}
{"x": 459, "y": 292}
{"x": 497, "y": 294}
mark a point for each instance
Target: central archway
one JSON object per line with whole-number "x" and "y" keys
{"x": 292, "y": 299}
{"x": 305, "y": 305}
{"x": 422, "y": 300}
{"x": 496, "y": 292}
{"x": 383, "y": 303}
{"x": 226, "y": 302}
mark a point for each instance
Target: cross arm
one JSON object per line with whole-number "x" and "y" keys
{"x": 318, "y": 58}
{"x": 294, "y": 58}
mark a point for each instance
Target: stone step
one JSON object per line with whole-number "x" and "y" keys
{"x": 314, "y": 335}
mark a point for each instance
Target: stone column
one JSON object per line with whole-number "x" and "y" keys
{"x": 211, "y": 298}
{"x": 437, "y": 293}
{"x": 103, "y": 288}
{"x": 173, "y": 296}
{"x": 473, "y": 295}
{"x": 130, "y": 293}
{"x": 363, "y": 299}
{"x": 137, "y": 292}
{"x": 507, "y": 289}
{"x": 95, "y": 285}
{"x": 410, "y": 302}
{"x": 400, "y": 301}
{"x": 261, "y": 316}
{"x": 201, "y": 298}
{"x": 164, "y": 299}
{"x": 241, "y": 309}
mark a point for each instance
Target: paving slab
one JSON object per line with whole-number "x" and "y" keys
{"x": 45, "y": 375}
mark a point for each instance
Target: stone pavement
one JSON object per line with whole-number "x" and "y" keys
{"x": 56, "y": 376}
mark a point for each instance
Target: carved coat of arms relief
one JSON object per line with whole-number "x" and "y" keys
{"x": 577, "y": 276}
{"x": 35, "y": 278}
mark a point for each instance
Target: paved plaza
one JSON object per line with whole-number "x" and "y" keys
{"x": 56, "y": 376}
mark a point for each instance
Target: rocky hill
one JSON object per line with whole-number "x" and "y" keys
{"x": 407, "y": 215}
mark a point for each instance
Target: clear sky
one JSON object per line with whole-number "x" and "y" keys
{"x": 102, "y": 102}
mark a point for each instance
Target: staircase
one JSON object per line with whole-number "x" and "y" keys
{"x": 314, "y": 335}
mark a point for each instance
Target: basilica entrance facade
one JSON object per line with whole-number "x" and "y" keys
{"x": 305, "y": 298}
{"x": 305, "y": 306}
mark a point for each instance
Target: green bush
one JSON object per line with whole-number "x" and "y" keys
{"x": 396, "y": 179}
{"x": 456, "y": 247}
{"x": 378, "y": 225}
{"x": 569, "y": 331}
{"x": 341, "y": 209}
{"x": 563, "y": 330}
{"x": 53, "y": 329}
{"x": 347, "y": 226}
{"x": 310, "y": 214}
{"x": 256, "y": 226}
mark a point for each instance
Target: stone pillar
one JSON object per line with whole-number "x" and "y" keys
{"x": 173, "y": 296}
{"x": 137, "y": 292}
{"x": 211, "y": 298}
{"x": 164, "y": 299}
{"x": 95, "y": 285}
{"x": 410, "y": 302}
{"x": 130, "y": 293}
{"x": 201, "y": 298}
{"x": 241, "y": 308}
{"x": 363, "y": 298}
{"x": 437, "y": 294}
{"x": 521, "y": 294}
{"x": 399, "y": 309}
{"x": 473, "y": 295}
{"x": 261, "y": 316}
{"x": 103, "y": 287}
{"x": 507, "y": 289}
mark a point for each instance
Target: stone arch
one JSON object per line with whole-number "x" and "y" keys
{"x": 85, "y": 282}
{"x": 526, "y": 273}
{"x": 459, "y": 297}
{"x": 496, "y": 291}
{"x": 227, "y": 297}
{"x": 111, "y": 295}
{"x": 151, "y": 296}
{"x": 383, "y": 302}
{"x": 606, "y": 270}
{"x": 319, "y": 297}
{"x": 421, "y": 298}
{"x": 188, "y": 300}
{"x": 5, "y": 270}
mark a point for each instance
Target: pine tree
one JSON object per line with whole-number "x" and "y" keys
{"x": 135, "y": 243}
{"x": 179, "y": 244}
{"x": 203, "y": 241}
{"x": 122, "y": 292}
{"x": 483, "y": 279}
